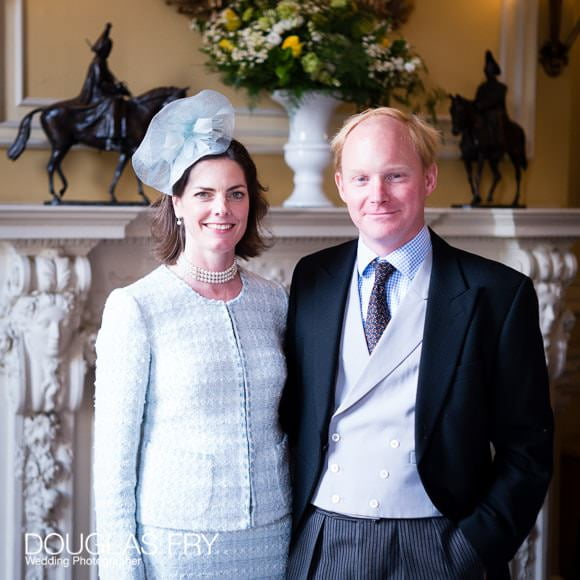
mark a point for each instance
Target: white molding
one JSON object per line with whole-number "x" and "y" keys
{"x": 536, "y": 242}
{"x": 506, "y": 223}
{"x": 43, "y": 293}
{"x": 102, "y": 222}
{"x": 66, "y": 222}
{"x": 518, "y": 58}
{"x": 19, "y": 58}
{"x": 468, "y": 223}
{"x": 265, "y": 130}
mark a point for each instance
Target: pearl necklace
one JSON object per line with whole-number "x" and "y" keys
{"x": 207, "y": 276}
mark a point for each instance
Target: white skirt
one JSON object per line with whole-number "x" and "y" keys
{"x": 245, "y": 554}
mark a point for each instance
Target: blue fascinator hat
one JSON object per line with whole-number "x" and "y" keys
{"x": 183, "y": 131}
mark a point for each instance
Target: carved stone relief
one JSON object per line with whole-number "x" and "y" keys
{"x": 42, "y": 365}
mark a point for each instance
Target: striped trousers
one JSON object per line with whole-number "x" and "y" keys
{"x": 337, "y": 547}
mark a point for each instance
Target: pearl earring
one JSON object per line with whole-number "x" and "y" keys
{"x": 179, "y": 222}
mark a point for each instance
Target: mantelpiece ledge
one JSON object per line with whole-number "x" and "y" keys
{"x": 32, "y": 221}
{"x": 35, "y": 221}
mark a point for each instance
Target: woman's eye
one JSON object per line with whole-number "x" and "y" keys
{"x": 360, "y": 179}
{"x": 202, "y": 194}
{"x": 237, "y": 194}
{"x": 395, "y": 176}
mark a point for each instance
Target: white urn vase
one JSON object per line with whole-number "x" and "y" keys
{"x": 307, "y": 151}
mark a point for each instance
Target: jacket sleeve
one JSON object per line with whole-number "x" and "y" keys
{"x": 521, "y": 435}
{"x": 122, "y": 375}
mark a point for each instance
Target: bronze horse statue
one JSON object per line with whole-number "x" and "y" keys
{"x": 67, "y": 123}
{"x": 480, "y": 143}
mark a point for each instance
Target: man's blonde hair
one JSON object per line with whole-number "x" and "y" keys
{"x": 425, "y": 138}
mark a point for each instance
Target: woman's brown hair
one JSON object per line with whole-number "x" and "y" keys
{"x": 169, "y": 238}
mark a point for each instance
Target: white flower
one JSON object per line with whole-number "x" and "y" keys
{"x": 297, "y": 21}
{"x": 273, "y": 39}
{"x": 279, "y": 28}
{"x": 263, "y": 28}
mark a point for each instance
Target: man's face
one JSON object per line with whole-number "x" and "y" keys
{"x": 384, "y": 184}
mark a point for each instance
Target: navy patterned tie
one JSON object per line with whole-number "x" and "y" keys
{"x": 378, "y": 314}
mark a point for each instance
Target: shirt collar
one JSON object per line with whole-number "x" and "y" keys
{"x": 407, "y": 259}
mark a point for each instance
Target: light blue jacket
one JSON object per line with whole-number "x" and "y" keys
{"x": 186, "y": 420}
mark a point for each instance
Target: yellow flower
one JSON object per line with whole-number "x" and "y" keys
{"x": 231, "y": 19}
{"x": 385, "y": 43}
{"x": 226, "y": 45}
{"x": 294, "y": 44}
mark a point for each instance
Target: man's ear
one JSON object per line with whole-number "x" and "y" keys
{"x": 338, "y": 181}
{"x": 431, "y": 179}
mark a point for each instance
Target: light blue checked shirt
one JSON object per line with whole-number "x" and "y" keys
{"x": 407, "y": 260}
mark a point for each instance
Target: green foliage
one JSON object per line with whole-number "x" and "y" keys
{"x": 338, "y": 46}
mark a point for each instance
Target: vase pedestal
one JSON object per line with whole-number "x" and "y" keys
{"x": 307, "y": 151}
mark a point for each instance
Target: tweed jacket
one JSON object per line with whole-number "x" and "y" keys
{"x": 187, "y": 392}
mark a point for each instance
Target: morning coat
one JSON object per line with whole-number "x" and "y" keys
{"x": 483, "y": 421}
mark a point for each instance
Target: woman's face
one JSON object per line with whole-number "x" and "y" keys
{"x": 214, "y": 208}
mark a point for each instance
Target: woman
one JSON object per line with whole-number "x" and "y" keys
{"x": 190, "y": 464}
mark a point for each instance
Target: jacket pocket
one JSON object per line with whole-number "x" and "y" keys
{"x": 456, "y": 553}
{"x": 283, "y": 470}
{"x": 174, "y": 488}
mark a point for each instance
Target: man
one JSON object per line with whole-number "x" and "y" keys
{"x": 100, "y": 86}
{"x": 417, "y": 402}
{"x": 490, "y": 100}
{"x": 100, "y": 82}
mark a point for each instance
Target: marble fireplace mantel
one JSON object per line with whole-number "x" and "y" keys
{"x": 58, "y": 264}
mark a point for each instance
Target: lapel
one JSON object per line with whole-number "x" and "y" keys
{"x": 326, "y": 314}
{"x": 449, "y": 311}
{"x": 401, "y": 337}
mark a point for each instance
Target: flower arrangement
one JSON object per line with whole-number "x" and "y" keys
{"x": 343, "y": 47}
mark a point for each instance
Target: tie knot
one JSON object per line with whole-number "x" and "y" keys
{"x": 382, "y": 271}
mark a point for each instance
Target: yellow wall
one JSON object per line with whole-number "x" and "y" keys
{"x": 153, "y": 46}
{"x": 574, "y": 171}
